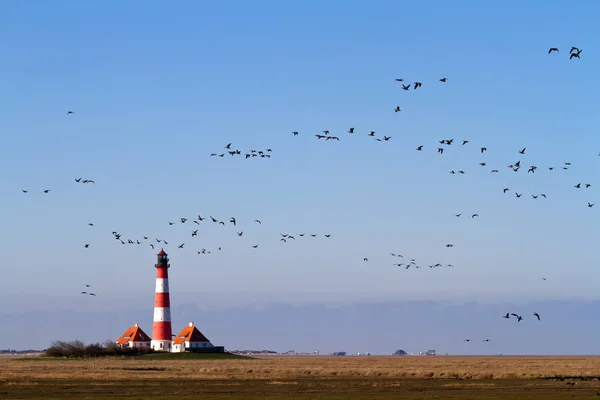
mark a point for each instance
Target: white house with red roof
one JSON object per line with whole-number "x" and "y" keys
{"x": 189, "y": 339}
{"x": 134, "y": 336}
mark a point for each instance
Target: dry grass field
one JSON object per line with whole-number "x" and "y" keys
{"x": 286, "y": 377}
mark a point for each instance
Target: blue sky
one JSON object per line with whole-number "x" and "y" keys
{"x": 157, "y": 88}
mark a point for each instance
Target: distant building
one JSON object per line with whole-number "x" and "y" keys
{"x": 430, "y": 353}
{"x": 338, "y": 353}
{"x": 134, "y": 337}
{"x": 191, "y": 339}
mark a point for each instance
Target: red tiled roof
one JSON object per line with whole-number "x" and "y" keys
{"x": 133, "y": 334}
{"x": 190, "y": 334}
{"x": 162, "y": 253}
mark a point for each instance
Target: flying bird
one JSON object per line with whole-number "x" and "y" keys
{"x": 575, "y": 54}
{"x": 537, "y": 315}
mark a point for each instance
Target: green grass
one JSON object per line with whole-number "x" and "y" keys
{"x": 191, "y": 356}
{"x": 153, "y": 356}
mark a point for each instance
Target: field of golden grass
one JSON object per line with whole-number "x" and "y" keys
{"x": 286, "y": 367}
{"x": 289, "y": 376}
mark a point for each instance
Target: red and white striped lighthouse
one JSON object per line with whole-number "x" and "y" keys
{"x": 161, "y": 329}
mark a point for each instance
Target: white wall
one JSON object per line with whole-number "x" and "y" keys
{"x": 162, "y": 285}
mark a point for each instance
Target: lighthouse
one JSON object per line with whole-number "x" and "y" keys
{"x": 161, "y": 328}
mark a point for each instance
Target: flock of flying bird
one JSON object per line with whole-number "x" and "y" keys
{"x": 88, "y": 293}
{"x": 194, "y": 233}
{"x": 249, "y": 154}
{"x": 514, "y": 166}
{"x": 573, "y": 53}
{"x": 518, "y": 317}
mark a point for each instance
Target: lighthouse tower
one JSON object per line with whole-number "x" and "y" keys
{"x": 161, "y": 329}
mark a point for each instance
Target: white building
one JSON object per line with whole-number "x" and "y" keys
{"x": 190, "y": 338}
{"x": 134, "y": 337}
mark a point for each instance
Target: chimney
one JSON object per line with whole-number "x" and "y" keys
{"x": 136, "y": 324}
{"x": 191, "y": 323}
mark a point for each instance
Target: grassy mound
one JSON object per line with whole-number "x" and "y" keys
{"x": 192, "y": 356}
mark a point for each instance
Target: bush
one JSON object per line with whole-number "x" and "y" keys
{"x": 78, "y": 349}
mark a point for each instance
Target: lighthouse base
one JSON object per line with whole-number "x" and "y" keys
{"x": 161, "y": 345}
